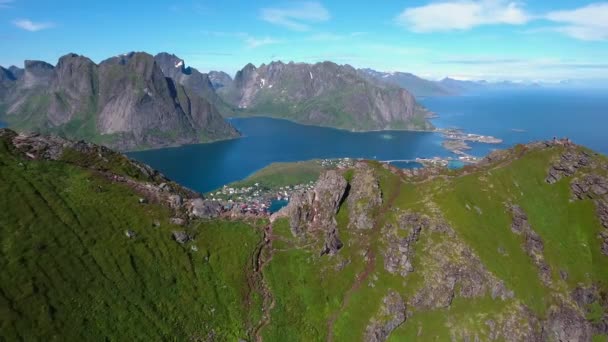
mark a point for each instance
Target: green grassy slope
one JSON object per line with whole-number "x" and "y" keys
{"x": 341, "y": 307}
{"x": 70, "y": 273}
{"x": 280, "y": 174}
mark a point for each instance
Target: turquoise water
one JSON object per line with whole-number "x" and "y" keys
{"x": 514, "y": 116}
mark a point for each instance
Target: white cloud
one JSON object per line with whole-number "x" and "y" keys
{"x": 586, "y": 23}
{"x": 253, "y": 42}
{"x": 296, "y": 16}
{"x": 31, "y": 26}
{"x": 462, "y": 15}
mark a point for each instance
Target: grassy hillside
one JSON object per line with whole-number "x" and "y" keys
{"x": 444, "y": 256}
{"x": 71, "y": 273}
{"x": 280, "y": 174}
{"x": 349, "y": 288}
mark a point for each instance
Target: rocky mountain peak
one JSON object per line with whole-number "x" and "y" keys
{"x": 219, "y": 79}
{"x": 6, "y": 75}
{"x": 16, "y": 71}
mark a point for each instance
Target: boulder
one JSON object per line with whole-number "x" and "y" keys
{"x": 200, "y": 208}
{"x": 180, "y": 237}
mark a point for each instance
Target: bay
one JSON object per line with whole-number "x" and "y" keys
{"x": 205, "y": 167}
{"x": 515, "y": 116}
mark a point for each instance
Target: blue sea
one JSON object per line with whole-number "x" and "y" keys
{"x": 514, "y": 116}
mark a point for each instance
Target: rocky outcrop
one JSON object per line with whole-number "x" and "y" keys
{"x": 116, "y": 167}
{"x": 203, "y": 209}
{"x": 195, "y": 81}
{"x": 127, "y": 100}
{"x": 324, "y": 94}
{"x": 450, "y": 265}
{"x": 316, "y": 209}
{"x": 533, "y": 244}
{"x": 594, "y": 187}
{"x": 364, "y": 197}
{"x": 400, "y": 250}
{"x": 220, "y": 79}
{"x": 566, "y": 166}
{"x": 589, "y": 186}
{"x": 391, "y": 316}
{"x": 565, "y": 323}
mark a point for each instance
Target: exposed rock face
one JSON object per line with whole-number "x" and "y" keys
{"x": 595, "y": 187}
{"x": 391, "y": 316}
{"x": 364, "y": 197}
{"x": 533, "y": 244}
{"x": 569, "y": 162}
{"x": 590, "y": 186}
{"x": 565, "y": 323}
{"x": 127, "y": 98}
{"x": 323, "y": 94}
{"x": 198, "y": 83}
{"x": 450, "y": 265}
{"x": 16, "y": 71}
{"x": 400, "y": 250}
{"x": 200, "y": 208}
{"x": 519, "y": 325}
{"x": 316, "y": 209}
{"x": 220, "y": 79}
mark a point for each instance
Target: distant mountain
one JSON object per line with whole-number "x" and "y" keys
{"x": 461, "y": 86}
{"x": 125, "y": 102}
{"x": 16, "y": 71}
{"x": 324, "y": 94}
{"x": 176, "y": 69}
{"x": 419, "y": 87}
{"x": 220, "y": 79}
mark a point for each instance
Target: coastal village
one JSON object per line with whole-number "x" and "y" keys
{"x": 261, "y": 199}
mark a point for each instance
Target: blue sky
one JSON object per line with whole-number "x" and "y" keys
{"x": 469, "y": 39}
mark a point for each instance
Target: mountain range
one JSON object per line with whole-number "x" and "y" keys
{"x": 137, "y": 100}
{"x": 97, "y": 246}
{"x": 421, "y": 87}
{"x": 324, "y": 94}
{"x": 125, "y": 101}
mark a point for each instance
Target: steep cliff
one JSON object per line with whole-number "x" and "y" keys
{"x": 324, "y": 94}
{"x": 125, "y": 102}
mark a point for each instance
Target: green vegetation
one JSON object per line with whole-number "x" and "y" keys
{"x": 70, "y": 273}
{"x": 281, "y": 174}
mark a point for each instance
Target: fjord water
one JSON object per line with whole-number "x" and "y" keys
{"x": 514, "y": 116}
{"x": 205, "y": 167}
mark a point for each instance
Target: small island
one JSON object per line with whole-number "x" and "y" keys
{"x": 456, "y": 142}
